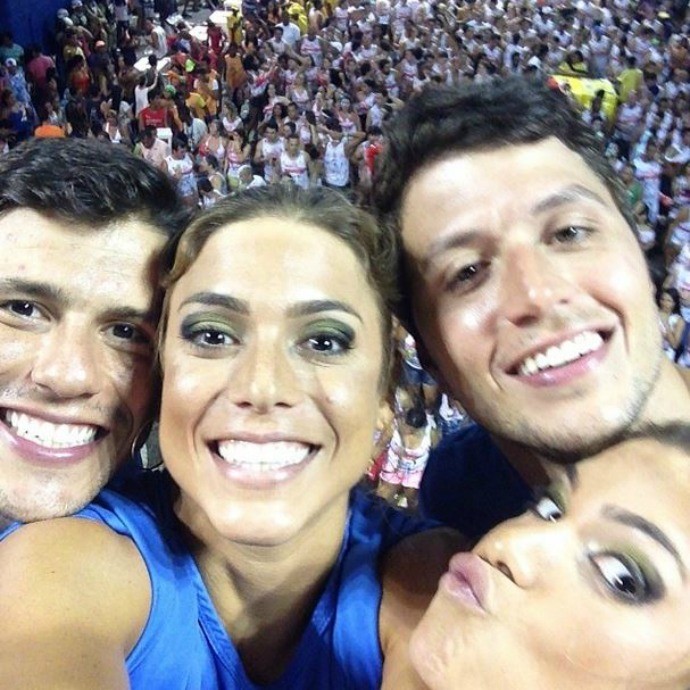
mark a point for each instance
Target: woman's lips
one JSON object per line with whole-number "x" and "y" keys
{"x": 467, "y": 581}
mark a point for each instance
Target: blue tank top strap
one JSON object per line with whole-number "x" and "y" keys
{"x": 173, "y": 594}
{"x": 374, "y": 528}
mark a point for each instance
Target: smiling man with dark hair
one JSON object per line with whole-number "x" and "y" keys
{"x": 82, "y": 225}
{"x": 526, "y": 287}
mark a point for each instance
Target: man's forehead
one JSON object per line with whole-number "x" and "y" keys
{"x": 33, "y": 244}
{"x": 485, "y": 156}
{"x": 466, "y": 184}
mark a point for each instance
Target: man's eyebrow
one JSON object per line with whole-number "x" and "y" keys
{"x": 132, "y": 314}
{"x": 34, "y": 289}
{"x": 625, "y": 517}
{"x": 318, "y": 305}
{"x": 214, "y": 299}
{"x": 567, "y": 195}
{"x": 454, "y": 240}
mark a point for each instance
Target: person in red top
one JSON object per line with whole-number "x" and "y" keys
{"x": 37, "y": 66}
{"x": 79, "y": 76}
{"x": 156, "y": 114}
{"x": 216, "y": 43}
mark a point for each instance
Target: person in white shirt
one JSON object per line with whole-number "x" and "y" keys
{"x": 336, "y": 156}
{"x": 291, "y": 32}
{"x": 156, "y": 38}
{"x": 295, "y": 163}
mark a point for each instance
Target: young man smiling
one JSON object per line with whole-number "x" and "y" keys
{"x": 526, "y": 287}
{"x": 81, "y": 227}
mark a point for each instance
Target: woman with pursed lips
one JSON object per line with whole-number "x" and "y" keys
{"x": 589, "y": 590}
{"x": 250, "y": 562}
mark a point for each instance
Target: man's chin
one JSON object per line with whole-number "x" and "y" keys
{"x": 560, "y": 445}
{"x": 51, "y": 498}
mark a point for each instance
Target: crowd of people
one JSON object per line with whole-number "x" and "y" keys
{"x": 258, "y": 332}
{"x": 301, "y": 94}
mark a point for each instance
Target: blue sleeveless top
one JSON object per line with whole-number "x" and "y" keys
{"x": 184, "y": 644}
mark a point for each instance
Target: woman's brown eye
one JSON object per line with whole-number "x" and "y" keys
{"x": 625, "y": 578}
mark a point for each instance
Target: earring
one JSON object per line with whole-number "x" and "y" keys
{"x": 140, "y": 437}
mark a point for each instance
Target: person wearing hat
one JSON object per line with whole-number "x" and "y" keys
{"x": 77, "y": 15}
{"x": 101, "y": 66}
{"x": 18, "y": 84}
{"x": 169, "y": 100}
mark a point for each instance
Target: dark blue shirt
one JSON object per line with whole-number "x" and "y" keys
{"x": 469, "y": 484}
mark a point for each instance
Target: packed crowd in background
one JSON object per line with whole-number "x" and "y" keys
{"x": 268, "y": 93}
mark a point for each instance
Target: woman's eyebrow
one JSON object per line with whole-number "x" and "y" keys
{"x": 214, "y": 299}
{"x": 625, "y": 517}
{"x": 318, "y": 305}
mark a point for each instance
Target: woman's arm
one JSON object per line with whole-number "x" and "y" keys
{"x": 74, "y": 598}
{"x": 675, "y": 333}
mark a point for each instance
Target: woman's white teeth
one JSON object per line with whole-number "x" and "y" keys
{"x": 263, "y": 456}
{"x": 48, "y": 434}
{"x": 558, "y": 355}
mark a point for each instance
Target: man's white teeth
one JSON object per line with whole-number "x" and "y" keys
{"x": 558, "y": 355}
{"x": 265, "y": 457}
{"x": 48, "y": 434}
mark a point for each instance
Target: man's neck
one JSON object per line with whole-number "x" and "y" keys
{"x": 670, "y": 399}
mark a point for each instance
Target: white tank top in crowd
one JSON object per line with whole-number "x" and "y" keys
{"x": 312, "y": 48}
{"x": 270, "y": 150}
{"x": 296, "y": 168}
{"x": 336, "y": 166}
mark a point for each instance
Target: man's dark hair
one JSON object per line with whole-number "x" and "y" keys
{"x": 88, "y": 183}
{"x": 447, "y": 120}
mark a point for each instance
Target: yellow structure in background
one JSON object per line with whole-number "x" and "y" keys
{"x": 584, "y": 90}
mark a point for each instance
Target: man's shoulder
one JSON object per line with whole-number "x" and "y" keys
{"x": 472, "y": 437}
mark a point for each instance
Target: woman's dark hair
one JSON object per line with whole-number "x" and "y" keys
{"x": 212, "y": 161}
{"x": 415, "y": 417}
{"x": 674, "y": 295}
